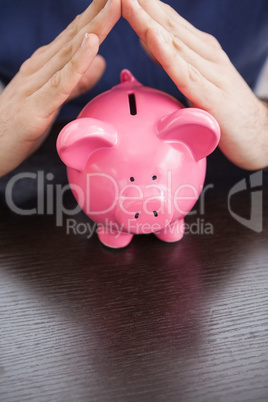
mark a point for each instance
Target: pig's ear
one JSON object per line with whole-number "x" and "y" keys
{"x": 80, "y": 138}
{"x": 197, "y": 129}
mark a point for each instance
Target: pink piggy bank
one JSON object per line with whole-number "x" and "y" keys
{"x": 136, "y": 161}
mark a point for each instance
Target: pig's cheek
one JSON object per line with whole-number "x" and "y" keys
{"x": 95, "y": 192}
{"x": 101, "y": 197}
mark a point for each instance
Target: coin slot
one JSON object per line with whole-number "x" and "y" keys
{"x": 132, "y": 104}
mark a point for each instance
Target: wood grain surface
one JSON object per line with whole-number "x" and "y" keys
{"x": 152, "y": 322}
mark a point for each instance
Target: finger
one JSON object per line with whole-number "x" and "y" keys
{"x": 149, "y": 53}
{"x": 200, "y": 42}
{"x": 170, "y": 17}
{"x": 178, "y": 48}
{"x": 90, "y": 78}
{"x": 188, "y": 79}
{"x": 43, "y": 54}
{"x": 77, "y": 24}
{"x": 100, "y": 25}
{"x": 60, "y": 86}
{"x": 168, "y": 52}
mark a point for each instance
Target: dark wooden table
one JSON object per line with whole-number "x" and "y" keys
{"x": 152, "y": 322}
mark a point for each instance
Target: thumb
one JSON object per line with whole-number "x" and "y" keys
{"x": 90, "y": 78}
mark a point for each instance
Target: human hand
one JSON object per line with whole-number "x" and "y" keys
{"x": 55, "y": 73}
{"x": 202, "y": 71}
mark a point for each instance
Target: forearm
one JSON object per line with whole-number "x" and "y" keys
{"x": 245, "y": 142}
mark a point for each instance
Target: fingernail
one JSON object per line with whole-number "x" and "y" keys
{"x": 85, "y": 39}
{"x": 136, "y": 2}
{"x": 107, "y": 3}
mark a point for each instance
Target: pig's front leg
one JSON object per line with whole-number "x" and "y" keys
{"x": 113, "y": 238}
{"x": 173, "y": 232}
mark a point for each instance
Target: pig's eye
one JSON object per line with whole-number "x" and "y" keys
{"x": 132, "y": 179}
{"x": 154, "y": 177}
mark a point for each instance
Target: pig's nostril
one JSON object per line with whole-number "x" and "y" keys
{"x": 136, "y": 215}
{"x": 155, "y": 213}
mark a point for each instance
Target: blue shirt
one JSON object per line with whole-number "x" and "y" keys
{"x": 241, "y": 27}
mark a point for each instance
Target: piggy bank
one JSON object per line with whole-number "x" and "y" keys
{"x": 136, "y": 161}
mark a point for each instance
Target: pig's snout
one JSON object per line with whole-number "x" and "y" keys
{"x": 146, "y": 212}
